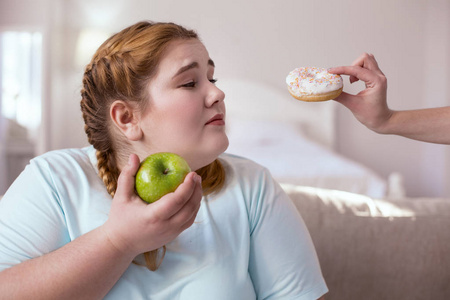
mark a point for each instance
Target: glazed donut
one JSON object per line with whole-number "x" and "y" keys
{"x": 314, "y": 84}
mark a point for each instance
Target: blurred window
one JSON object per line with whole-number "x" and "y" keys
{"x": 20, "y": 101}
{"x": 20, "y": 63}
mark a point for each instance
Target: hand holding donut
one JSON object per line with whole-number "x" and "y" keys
{"x": 369, "y": 106}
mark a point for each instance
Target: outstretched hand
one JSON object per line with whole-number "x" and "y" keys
{"x": 369, "y": 106}
{"x": 135, "y": 227}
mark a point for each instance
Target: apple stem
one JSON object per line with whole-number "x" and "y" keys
{"x": 166, "y": 171}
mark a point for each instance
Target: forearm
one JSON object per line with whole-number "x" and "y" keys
{"x": 86, "y": 268}
{"x": 428, "y": 125}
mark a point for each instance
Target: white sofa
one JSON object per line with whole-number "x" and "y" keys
{"x": 378, "y": 249}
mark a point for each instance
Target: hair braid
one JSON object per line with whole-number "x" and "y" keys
{"x": 107, "y": 170}
{"x": 97, "y": 131}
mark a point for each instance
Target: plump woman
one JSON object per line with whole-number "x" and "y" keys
{"x": 79, "y": 231}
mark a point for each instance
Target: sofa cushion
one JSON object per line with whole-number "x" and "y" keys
{"x": 378, "y": 249}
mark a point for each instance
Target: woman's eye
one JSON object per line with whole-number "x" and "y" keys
{"x": 213, "y": 81}
{"x": 191, "y": 84}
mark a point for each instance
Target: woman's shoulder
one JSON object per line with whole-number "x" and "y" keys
{"x": 240, "y": 162}
{"x": 69, "y": 173}
{"x": 67, "y": 158}
{"x": 65, "y": 164}
{"x": 244, "y": 170}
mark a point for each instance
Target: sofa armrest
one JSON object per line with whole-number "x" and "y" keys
{"x": 378, "y": 249}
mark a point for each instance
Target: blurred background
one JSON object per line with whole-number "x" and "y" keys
{"x": 45, "y": 45}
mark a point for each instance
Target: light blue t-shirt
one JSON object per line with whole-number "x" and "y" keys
{"x": 247, "y": 242}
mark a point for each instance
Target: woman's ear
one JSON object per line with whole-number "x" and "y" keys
{"x": 126, "y": 120}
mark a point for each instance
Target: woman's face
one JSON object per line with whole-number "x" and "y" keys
{"x": 186, "y": 111}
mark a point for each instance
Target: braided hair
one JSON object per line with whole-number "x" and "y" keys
{"x": 120, "y": 70}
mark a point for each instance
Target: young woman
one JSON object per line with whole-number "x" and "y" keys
{"x": 71, "y": 226}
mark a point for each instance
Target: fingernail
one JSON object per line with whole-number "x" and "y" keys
{"x": 330, "y": 70}
{"x": 198, "y": 179}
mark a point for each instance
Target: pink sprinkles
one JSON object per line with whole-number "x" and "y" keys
{"x": 310, "y": 73}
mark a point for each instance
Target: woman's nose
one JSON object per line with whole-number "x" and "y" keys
{"x": 215, "y": 95}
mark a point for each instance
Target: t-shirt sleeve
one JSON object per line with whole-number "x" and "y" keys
{"x": 32, "y": 222}
{"x": 283, "y": 262}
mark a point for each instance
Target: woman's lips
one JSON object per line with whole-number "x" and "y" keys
{"x": 216, "y": 120}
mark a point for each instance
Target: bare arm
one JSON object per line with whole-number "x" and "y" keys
{"x": 86, "y": 268}
{"x": 89, "y": 266}
{"x": 429, "y": 125}
{"x": 371, "y": 109}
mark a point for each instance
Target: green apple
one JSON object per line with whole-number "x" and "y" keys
{"x": 160, "y": 174}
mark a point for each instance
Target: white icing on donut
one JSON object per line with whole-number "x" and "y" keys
{"x": 310, "y": 80}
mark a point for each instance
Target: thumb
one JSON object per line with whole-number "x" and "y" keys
{"x": 126, "y": 181}
{"x": 346, "y": 99}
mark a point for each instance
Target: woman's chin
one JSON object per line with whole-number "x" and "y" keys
{"x": 205, "y": 159}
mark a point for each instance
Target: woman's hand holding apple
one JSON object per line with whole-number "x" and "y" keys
{"x": 134, "y": 227}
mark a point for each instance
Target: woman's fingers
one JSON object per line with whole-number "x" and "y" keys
{"x": 353, "y": 79}
{"x": 171, "y": 203}
{"x": 126, "y": 181}
{"x": 374, "y": 64}
{"x": 357, "y": 72}
{"x": 370, "y": 105}
{"x": 189, "y": 211}
{"x": 364, "y": 68}
{"x": 367, "y": 61}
